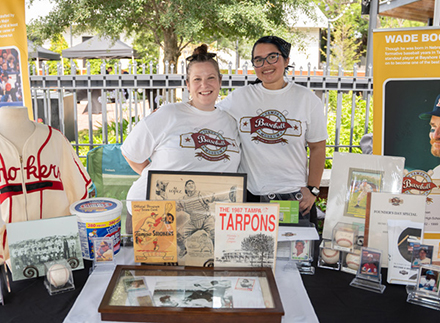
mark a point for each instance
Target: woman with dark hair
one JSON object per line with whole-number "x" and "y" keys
{"x": 186, "y": 136}
{"x": 277, "y": 119}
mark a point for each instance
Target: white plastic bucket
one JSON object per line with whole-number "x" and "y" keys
{"x": 98, "y": 218}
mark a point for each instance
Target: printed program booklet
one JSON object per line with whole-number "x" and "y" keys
{"x": 246, "y": 234}
{"x": 154, "y": 231}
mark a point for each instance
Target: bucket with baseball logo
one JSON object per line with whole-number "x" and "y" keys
{"x": 98, "y": 218}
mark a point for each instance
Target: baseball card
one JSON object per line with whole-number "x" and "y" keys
{"x": 428, "y": 280}
{"x": 370, "y": 264}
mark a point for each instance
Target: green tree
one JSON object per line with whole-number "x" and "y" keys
{"x": 345, "y": 47}
{"x": 173, "y": 24}
{"x": 58, "y": 43}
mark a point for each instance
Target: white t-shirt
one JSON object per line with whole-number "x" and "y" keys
{"x": 274, "y": 128}
{"x": 181, "y": 137}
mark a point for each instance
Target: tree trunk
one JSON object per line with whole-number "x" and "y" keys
{"x": 171, "y": 49}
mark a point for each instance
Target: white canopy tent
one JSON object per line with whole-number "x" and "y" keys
{"x": 97, "y": 47}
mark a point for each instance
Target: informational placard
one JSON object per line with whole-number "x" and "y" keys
{"x": 432, "y": 227}
{"x": 14, "y": 86}
{"x": 406, "y": 84}
{"x": 388, "y": 206}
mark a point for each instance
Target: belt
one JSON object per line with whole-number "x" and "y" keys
{"x": 295, "y": 196}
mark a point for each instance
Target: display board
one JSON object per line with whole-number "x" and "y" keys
{"x": 15, "y": 88}
{"x": 406, "y": 84}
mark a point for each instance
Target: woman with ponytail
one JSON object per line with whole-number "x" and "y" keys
{"x": 186, "y": 136}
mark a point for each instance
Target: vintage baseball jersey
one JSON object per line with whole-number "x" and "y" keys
{"x": 181, "y": 137}
{"x": 41, "y": 182}
{"x": 275, "y": 127}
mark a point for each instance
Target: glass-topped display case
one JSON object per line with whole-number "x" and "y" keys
{"x": 167, "y": 294}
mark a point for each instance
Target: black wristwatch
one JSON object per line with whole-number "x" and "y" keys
{"x": 314, "y": 190}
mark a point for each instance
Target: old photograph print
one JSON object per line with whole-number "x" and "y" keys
{"x": 32, "y": 243}
{"x": 195, "y": 292}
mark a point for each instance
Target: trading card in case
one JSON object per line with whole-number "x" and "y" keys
{"x": 350, "y": 261}
{"x": 370, "y": 264}
{"x": 301, "y": 250}
{"x": 345, "y": 236}
{"x": 428, "y": 280}
{"x": 328, "y": 258}
{"x": 104, "y": 258}
{"x": 421, "y": 255}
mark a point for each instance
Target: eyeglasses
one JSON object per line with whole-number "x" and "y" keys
{"x": 272, "y": 58}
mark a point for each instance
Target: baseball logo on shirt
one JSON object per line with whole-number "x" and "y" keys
{"x": 270, "y": 126}
{"x": 417, "y": 182}
{"x": 212, "y": 145}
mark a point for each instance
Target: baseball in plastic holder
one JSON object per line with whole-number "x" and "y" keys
{"x": 426, "y": 292}
{"x": 329, "y": 258}
{"x": 104, "y": 257}
{"x": 344, "y": 236}
{"x": 289, "y": 208}
{"x": 350, "y": 261}
{"x": 59, "y": 278}
{"x": 368, "y": 276}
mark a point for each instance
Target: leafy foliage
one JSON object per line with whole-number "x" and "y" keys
{"x": 112, "y": 137}
{"x": 345, "y": 48}
{"x": 358, "y": 123}
{"x": 172, "y": 24}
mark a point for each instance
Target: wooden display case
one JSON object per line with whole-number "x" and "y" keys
{"x": 191, "y": 294}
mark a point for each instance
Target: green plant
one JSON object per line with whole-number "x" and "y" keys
{"x": 321, "y": 203}
{"x": 112, "y": 136}
{"x": 358, "y": 125}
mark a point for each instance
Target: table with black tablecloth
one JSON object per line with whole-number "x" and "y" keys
{"x": 333, "y": 299}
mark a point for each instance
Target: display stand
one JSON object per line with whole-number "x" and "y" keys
{"x": 1, "y": 290}
{"x": 4, "y": 281}
{"x": 328, "y": 257}
{"x": 426, "y": 293}
{"x": 345, "y": 236}
{"x": 104, "y": 259}
{"x": 350, "y": 261}
{"x": 368, "y": 276}
{"x": 59, "y": 278}
{"x": 301, "y": 252}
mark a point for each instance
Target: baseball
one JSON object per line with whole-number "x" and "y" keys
{"x": 58, "y": 275}
{"x": 330, "y": 256}
{"x": 344, "y": 238}
{"x": 353, "y": 260}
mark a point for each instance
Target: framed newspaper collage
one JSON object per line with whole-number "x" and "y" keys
{"x": 195, "y": 194}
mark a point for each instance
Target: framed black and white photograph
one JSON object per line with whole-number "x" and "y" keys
{"x": 195, "y": 194}
{"x": 33, "y": 243}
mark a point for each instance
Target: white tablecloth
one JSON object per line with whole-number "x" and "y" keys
{"x": 296, "y": 302}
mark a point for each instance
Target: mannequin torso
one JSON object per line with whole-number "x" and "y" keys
{"x": 15, "y": 125}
